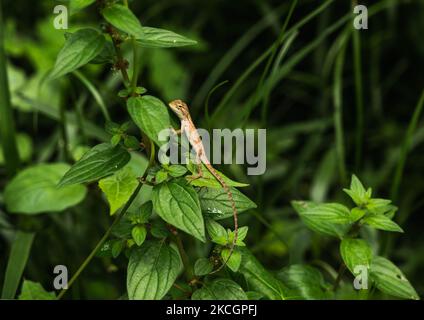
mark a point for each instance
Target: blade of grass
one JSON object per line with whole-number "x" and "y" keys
{"x": 338, "y": 109}
{"x": 261, "y": 58}
{"x": 7, "y": 124}
{"x": 293, "y": 61}
{"x": 359, "y": 96}
{"x": 394, "y": 193}
{"x": 264, "y": 90}
{"x": 272, "y": 56}
{"x": 19, "y": 254}
{"x": 96, "y": 95}
{"x": 233, "y": 53}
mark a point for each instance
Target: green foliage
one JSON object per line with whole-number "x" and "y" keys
{"x": 80, "y": 48}
{"x": 261, "y": 280}
{"x": 202, "y": 267}
{"x": 150, "y": 115}
{"x": 122, "y": 18}
{"x": 35, "y": 291}
{"x": 152, "y": 270}
{"x": 77, "y": 5}
{"x": 389, "y": 279}
{"x": 177, "y": 203}
{"x": 34, "y": 190}
{"x": 214, "y": 202}
{"x": 101, "y": 161}
{"x": 220, "y": 289}
{"x": 305, "y": 282}
{"x": 160, "y": 38}
{"x": 355, "y": 252}
{"x": 374, "y": 212}
{"x": 119, "y": 187}
{"x": 382, "y": 222}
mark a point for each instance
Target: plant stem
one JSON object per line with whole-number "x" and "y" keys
{"x": 101, "y": 241}
{"x": 7, "y": 123}
{"x": 136, "y": 64}
{"x": 121, "y": 62}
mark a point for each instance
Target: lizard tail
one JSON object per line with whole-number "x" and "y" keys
{"x": 233, "y": 206}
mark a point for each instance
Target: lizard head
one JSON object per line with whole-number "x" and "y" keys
{"x": 180, "y": 108}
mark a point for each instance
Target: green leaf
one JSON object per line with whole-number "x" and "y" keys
{"x": 235, "y": 259}
{"x": 382, "y": 222}
{"x": 161, "y": 176}
{"x": 34, "y": 190}
{"x": 19, "y": 254}
{"x": 131, "y": 142}
{"x": 116, "y": 138}
{"x": 216, "y": 204}
{"x": 150, "y": 115}
{"x": 107, "y": 55}
{"x": 139, "y": 234}
{"x": 305, "y": 282}
{"x": 159, "y": 230}
{"x": 357, "y": 213}
{"x": 101, "y": 161}
{"x": 177, "y": 203}
{"x": 242, "y": 233}
{"x": 160, "y": 38}
{"x": 321, "y": 217}
{"x": 390, "y": 279}
{"x": 117, "y": 247}
{"x": 220, "y": 289}
{"x": 330, "y": 212}
{"x": 152, "y": 270}
{"x": 259, "y": 279}
{"x": 208, "y": 179}
{"x": 124, "y": 19}
{"x": 79, "y": 49}
{"x": 203, "y": 266}
{"x": 77, "y": 5}
{"x": 119, "y": 187}
{"x": 217, "y": 232}
{"x": 176, "y": 170}
{"x": 35, "y": 291}
{"x": 253, "y": 295}
{"x": 112, "y": 128}
{"x": 357, "y": 192}
{"x": 379, "y": 206}
{"x": 143, "y": 214}
{"x": 355, "y": 252}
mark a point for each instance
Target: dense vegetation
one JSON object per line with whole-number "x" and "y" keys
{"x": 81, "y": 184}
